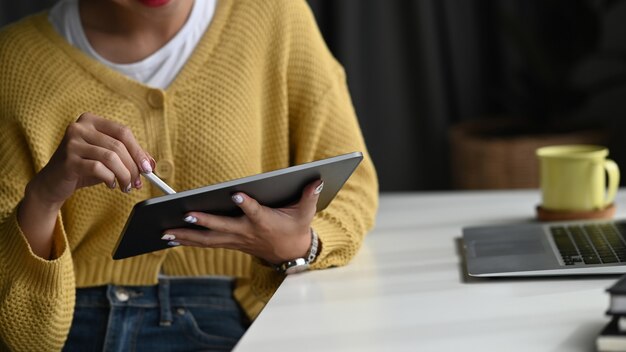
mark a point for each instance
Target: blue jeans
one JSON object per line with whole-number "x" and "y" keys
{"x": 178, "y": 314}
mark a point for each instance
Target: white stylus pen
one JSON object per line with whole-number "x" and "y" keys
{"x": 159, "y": 183}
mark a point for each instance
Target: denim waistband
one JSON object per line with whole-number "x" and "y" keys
{"x": 168, "y": 293}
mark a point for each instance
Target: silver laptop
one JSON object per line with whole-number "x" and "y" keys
{"x": 558, "y": 248}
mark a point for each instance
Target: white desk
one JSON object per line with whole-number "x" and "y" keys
{"x": 406, "y": 291}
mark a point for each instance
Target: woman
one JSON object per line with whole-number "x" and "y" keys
{"x": 95, "y": 92}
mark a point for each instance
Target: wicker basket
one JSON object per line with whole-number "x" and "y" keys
{"x": 481, "y": 159}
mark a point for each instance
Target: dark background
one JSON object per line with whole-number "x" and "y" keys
{"x": 417, "y": 67}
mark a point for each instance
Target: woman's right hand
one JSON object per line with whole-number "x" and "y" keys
{"x": 94, "y": 150}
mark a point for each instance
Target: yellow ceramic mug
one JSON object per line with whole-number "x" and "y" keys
{"x": 573, "y": 177}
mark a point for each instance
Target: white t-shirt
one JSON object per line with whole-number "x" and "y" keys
{"x": 157, "y": 70}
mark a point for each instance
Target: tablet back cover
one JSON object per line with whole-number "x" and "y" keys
{"x": 148, "y": 219}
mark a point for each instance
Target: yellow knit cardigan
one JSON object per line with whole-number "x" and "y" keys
{"x": 260, "y": 92}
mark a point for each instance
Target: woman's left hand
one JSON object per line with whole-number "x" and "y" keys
{"x": 274, "y": 235}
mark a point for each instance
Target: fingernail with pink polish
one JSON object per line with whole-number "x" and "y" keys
{"x": 319, "y": 188}
{"x": 128, "y": 188}
{"x": 145, "y": 165}
{"x": 168, "y": 237}
{"x": 191, "y": 219}
{"x": 237, "y": 198}
{"x": 138, "y": 183}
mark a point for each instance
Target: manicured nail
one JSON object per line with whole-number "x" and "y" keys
{"x": 145, "y": 165}
{"x": 138, "y": 183}
{"x": 237, "y": 198}
{"x": 114, "y": 184}
{"x": 173, "y": 243}
{"x": 168, "y": 237}
{"x": 128, "y": 188}
{"x": 191, "y": 219}
{"x": 319, "y": 188}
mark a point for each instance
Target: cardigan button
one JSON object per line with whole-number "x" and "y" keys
{"x": 155, "y": 98}
{"x": 165, "y": 169}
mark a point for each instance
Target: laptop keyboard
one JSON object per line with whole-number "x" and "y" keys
{"x": 599, "y": 243}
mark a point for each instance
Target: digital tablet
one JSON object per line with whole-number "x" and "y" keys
{"x": 150, "y": 218}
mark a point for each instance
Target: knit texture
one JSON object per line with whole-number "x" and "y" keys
{"x": 261, "y": 92}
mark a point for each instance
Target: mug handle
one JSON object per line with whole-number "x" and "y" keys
{"x": 613, "y": 177}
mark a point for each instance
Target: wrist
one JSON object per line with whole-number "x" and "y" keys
{"x": 35, "y": 195}
{"x": 302, "y": 263}
{"x": 36, "y": 219}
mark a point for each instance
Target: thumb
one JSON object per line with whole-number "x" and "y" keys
{"x": 311, "y": 194}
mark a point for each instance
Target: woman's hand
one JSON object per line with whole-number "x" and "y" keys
{"x": 94, "y": 150}
{"x": 274, "y": 235}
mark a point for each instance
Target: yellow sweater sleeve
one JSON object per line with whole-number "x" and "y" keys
{"x": 36, "y": 295}
{"x": 323, "y": 123}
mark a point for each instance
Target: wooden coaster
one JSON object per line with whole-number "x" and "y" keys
{"x": 551, "y": 215}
